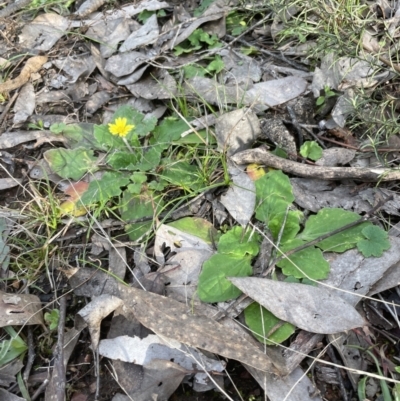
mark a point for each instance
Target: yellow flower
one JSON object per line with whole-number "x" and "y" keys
{"x": 120, "y": 127}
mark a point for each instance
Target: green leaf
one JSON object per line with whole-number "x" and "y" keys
{"x": 311, "y": 150}
{"x": 273, "y": 198}
{"x": 217, "y": 65}
{"x": 196, "y": 226}
{"x": 52, "y": 318}
{"x": 376, "y": 241}
{"x": 168, "y": 131}
{"x": 181, "y": 174}
{"x": 134, "y": 207}
{"x": 292, "y": 226}
{"x": 150, "y": 159}
{"x": 80, "y": 135}
{"x": 328, "y": 220}
{"x": 320, "y": 101}
{"x": 203, "y": 6}
{"x": 12, "y": 348}
{"x": 107, "y": 140}
{"x": 144, "y": 16}
{"x": 264, "y": 325}
{"x": 213, "y": 285}
{"x": 239, "y": 243}
{"x": 104, "y": 189}
{"x": 200, "y": 137}
{"x": 308, "y": 262}
{"x": 123, "y": 160}
{"x": 142, "y": 125}
{"x": 194, "y": 70}
{"x": 138, "y": 179}
{"x": 71, "y": 163}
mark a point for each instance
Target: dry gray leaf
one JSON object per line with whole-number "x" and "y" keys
{"x": 294, "y": 387}
{"x": 161, "y": 86}
{"x": 43, "y": 32}
{"x": 9, "y": 371}
{"x": 125, "y": 63}
{"x": 356, "y": 275}
{"x": 76, "y": 66}
{"x": 272, "y": 93}
{"x": 390, "y": 279}
{"x": 134, "y": 77}
{"x": 161, "y": 379}
{"x": 185, "y": 33}
{"x": 313, "y": 194}
{"x": 239, "y": 67}
{"x": 11, "y": 139}
{"x": 240, "y": 199}
{"x": 135, "y": 9}
{"x": 305, "y": 306}
{"x": 237, "y": 130}
{"x": 96, "y": 101}
{"x": 145, "y": 35}
{"x": 6, "y": 396}
{"x": 213, "y": 92}
{"x": 25, "y": 104}
{"x": 6, "y": 183}
{"x": 89, "y": 6}
{"x": 117, "y": 261}
{"x": 143, "y": 351}
{"x": 335, "y": 156}
{"x": 109, "y": 33}
{"x": 20, "y": 309}
{"x": 94, "y": 312}
{"x": 183, "y": 269}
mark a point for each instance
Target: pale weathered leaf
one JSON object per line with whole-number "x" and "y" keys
{"x": 94, "y": 312}
{"x": 161, "y": 379}
{"x": 356, "y": 275}
{"x": 240, "y": 199}
{"x": 274, "y": 92}
{"x": 308, "y": 307}
{"x": 145, "y": 35}
{"x": 143, "y": 351}
{"x": 237, "y": 130}
{"x": 25, "y": 104}
{"x": 294, "y": 387}
{"x": 171, "y": 319}
{"x": 44, "y": 31}
{"x": 335, "y": 156}
{"x": 20, "y": 309}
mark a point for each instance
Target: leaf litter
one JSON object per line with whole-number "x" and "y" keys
{"x": 135, "y": 50}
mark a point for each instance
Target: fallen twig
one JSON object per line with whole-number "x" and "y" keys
{"x": 263, "y": 156}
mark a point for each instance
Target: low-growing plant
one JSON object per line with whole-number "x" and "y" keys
{"x": 197, "y": 39}
{"x": 134, "y": 164}
{"x": 12, "y": 348}
{"x": 274, "y": 208}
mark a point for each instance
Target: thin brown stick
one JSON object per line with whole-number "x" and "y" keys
{"x": 59, "y": 365}
{"x": 263, "y": 156}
